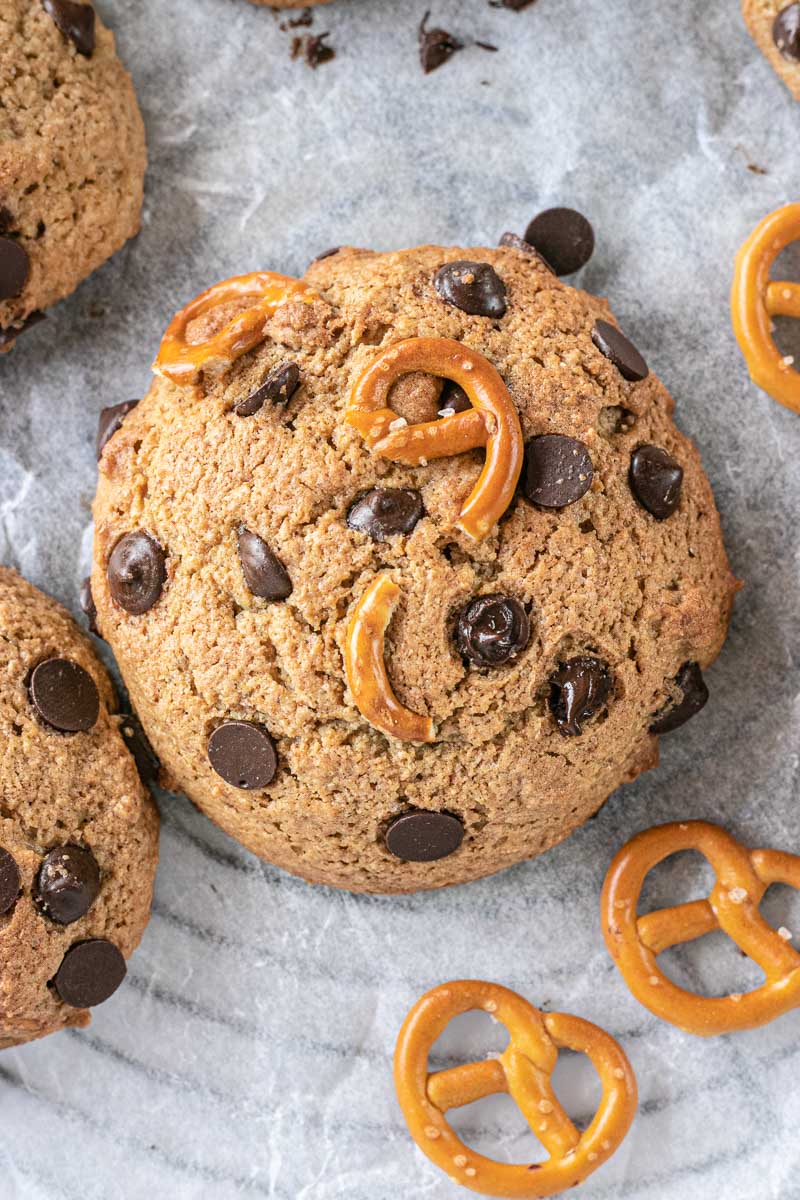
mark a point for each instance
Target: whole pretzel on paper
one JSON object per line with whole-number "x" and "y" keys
{"x": 756, "y": 299}
{"x": 492, "y": 421}
{"x": 742, "y": 878}
{"x": 524, "y": 1071}
{"x": 182, "y": 361}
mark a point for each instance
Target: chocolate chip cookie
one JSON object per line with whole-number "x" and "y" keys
{"x": 774, "y": 26}
{"x": 78, "y": 831}
{"x": 412, "y": 615}
{"x": 72, "y": 155}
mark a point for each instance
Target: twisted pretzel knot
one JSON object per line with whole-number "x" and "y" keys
{"x": 755, "y": 299}
{"x": 182, "y": 361}
{"x": 491, "y": 422}
{"x": 523, "y": 1070}
{"x": 742, "y": 878}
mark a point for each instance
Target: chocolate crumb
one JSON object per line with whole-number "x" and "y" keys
{"x": 436, "y": 46}
{"x": 514, "y": 5}
{"x": 312, "y": 48}
{"x": 756, "y": 169}
{"x": 305, "y": 19}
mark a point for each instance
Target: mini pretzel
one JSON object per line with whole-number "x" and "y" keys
{"x": 523, "y": 1070}
{"x": 365, "y": 666}
{"x": 742, "y": 877}
{"x": 755, "y": 298}
{"x": 182, "y": 361}
{"x": 491, "y": 422}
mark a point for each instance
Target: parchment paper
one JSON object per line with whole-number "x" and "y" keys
{"x": 249, "y": 1051}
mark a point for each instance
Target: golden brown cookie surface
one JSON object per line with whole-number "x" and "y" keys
{"x": 774, "y": 26}
{"x": 78, "y": 831}
{"x": 239, "y": 525}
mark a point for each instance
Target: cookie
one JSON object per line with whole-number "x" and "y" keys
{"x": 774, "y": 26}
{"x": 78, "y": 831}
{"x": 363, "y": 662}
{"x": 72, "y": 155}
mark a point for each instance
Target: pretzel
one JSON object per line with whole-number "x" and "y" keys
{"x": 365, "y": 666}
{"x": 491, "y": 422}
{"x": 523, "y": 1070}
{"x": 742, "y": 877}
{"x": 182, "y": 361}
{"x": 755, "y": 298}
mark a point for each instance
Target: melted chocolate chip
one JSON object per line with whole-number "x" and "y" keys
{"x": 453, "y": 399}
{"x": 385, "y": 512}
{"x": 655, "y": 479}
{"x": 436, "y": 46}
{"x": 579, "y": 688}
{"x": 136, "y": 572}
{"x": 564, "y": 237}
{"x": 786, "y": 32}
{"x": 109, "y": 422}
{"x": 14, "y": 268}
{"x": 75, "y": 21}
{"x": 145, "y": 757}
{"x": 515, "y": 242}
{"x": 243, "y": 754}
{"x": 279, "y": 387}
{"x": 491, "y": 630}
{"x": 474, "y": 287}
{"x": 88, "y": 606}
{"x": 64, "y": 695}
{"x": 423, "y": 836}
{"x": 10, "y": 881}
{"x": 67, "y": 884}
{"x": 694, "y": 695}
{"x": 618, "y": 350}
{"x": 558, "y": 470}
{"x": 264, "y": 573}
{"x": 90, "y": 972}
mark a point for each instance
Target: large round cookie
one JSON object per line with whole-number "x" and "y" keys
{"x": 78, "y": 832}
{"x": 72, "y": 154}
{"x": 237, "y": 533}
{"x": 774, "y": 26}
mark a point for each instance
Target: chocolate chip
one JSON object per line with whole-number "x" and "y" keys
{"x": 64, "y": 695}
{"x": 10, "y": 881}
{"x": 145, "y": 757}
{"x": 14, "y": 268}
{"x": 384, "y": 512}
{"x": 656, "y": 479}
{"x": 279, "y": 386}
{"x": 694, "y": 695}
{"x": 558, "y": 470}
{"x": 622, "y": 353}
{"x": 90, "y": 972}
{"x": 243, "y": 754}
{"x": 564, "y": 237}
{"x": 474, "y": 287}
{"x": 67, "y": 884}
{"x": 436, "y": 46}
{"x": 786, "y": 32}
{"x": 492, "y": 629}
{"x": 514, "y": 242}
{"x": 423, "y": 836}
{"x": 88, "y": 606}
{"x": 264, "y": 573}
{"x": 12, "y": 332}
{"x": 326, "y": 254}
{"x": 453, "y": 399}
{"x": 136, "y": 572}
{"x": 579, "y": 688}
{"x": 109, "y": 422}
{"x": 75, "y": 21}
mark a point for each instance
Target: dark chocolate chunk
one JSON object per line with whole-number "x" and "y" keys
{"x": 786, "y": 32}
{"x": 492, "y": 629}
{"x": 385, "y": 512}
{"x": 90, "y": 972}
{"x": 109, "y": 422}
{"x": 279, "y": 386}
{"x": 453, "y": 399}
{"x": 564, "y": 237}
{"x": 579, "y": 688}
{"x": 618, "y": 350}
{"x": 14, "y": 268}
{"x": 64, "y": 695}
{"x": 67, "y": 883}
{"x": 75, "y": 21}
{"x": 655, "y": 479}
{"x": 145, "y": 757}
{"x": 243, "y": 754}
{"x": 694, "y": 695}
{"x": 474, "y": 287}
{"x": 423, "y": 836}
{"x": 88, "y": 606}
{"x": 264, "y": 573}
{"x": 136, "y": 572}
{"x": 436, "y": 46}
{"x": 515, "y": 242}
{"x": 10, "y": 881}
{"x": 558, "y": 470}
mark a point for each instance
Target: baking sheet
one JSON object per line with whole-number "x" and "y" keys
{"x": 249, "y": 1052}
